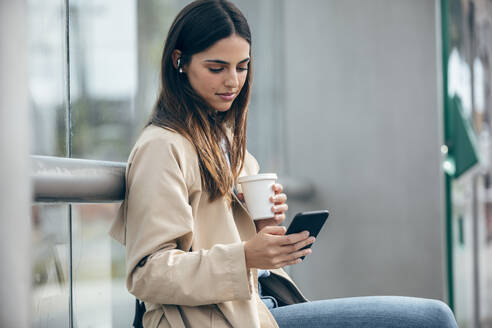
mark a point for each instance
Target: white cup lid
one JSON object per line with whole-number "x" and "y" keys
{"x": 262, "y": 176}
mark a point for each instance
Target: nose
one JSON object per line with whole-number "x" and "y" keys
{"x": 232, "y": 80}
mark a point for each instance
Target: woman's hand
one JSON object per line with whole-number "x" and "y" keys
{"x": 279, "y": 208}
{"x": 272, "y": 249}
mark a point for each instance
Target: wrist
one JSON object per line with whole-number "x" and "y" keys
{"x": 246, "y": 255}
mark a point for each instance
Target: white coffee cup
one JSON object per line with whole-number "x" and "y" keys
{"x": 257, "y": 190}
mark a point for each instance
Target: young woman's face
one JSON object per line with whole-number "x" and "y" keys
{"x": 218, "y": 73}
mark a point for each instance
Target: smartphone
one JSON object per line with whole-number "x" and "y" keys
{"x": 311, "y": 221}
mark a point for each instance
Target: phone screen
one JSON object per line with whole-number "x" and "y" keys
{"x": 310, "y": 221}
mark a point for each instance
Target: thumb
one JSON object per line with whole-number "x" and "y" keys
{"x": 274, "y": 230}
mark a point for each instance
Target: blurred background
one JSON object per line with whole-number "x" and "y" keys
{"x": 377, "y": 110}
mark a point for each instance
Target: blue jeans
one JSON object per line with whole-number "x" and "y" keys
{"x": 371, "y": 311}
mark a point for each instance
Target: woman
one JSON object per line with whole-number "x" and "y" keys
{"x": 193, "y": 253}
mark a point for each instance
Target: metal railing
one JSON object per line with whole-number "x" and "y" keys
{"x": 69, "y": 180}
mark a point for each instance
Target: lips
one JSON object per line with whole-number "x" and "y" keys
{"x": 227, "y": 96}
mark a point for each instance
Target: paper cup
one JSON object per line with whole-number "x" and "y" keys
{"x": 257, "y": 190}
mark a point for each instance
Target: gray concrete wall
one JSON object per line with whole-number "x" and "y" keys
{"x": 15, "y": 192}
{"x": 364, "y": 123}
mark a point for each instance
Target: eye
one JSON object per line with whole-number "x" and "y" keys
{"x": 216, "y": 70}
{"x": 242, "y": 69}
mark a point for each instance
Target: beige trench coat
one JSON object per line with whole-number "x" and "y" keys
{"x": 184, "y": 254}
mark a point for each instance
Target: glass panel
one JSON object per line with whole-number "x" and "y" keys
{"x": 50, "y": 264}
{"x": 50, "y": 232}
{"x": 114, "y": 45}
{"x": 99, "y": 294}
{"x": 103, "y": 67}
{"x": 109, "y": 53}
{"x": 46, "y": 56}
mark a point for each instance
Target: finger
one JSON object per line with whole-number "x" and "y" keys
{"x": 302, "y": 244}
{"x": 279, "y": 218}
{"x": 277, "y": 188}
{"x": 280, "y": 208}
{"x": 240, "y": 195}
{"x": 293, "y": 238}
{"x": 278, "y": 199}
{"x": 296, "y": 255}
{"x": 294, "y": 262}
{"x": 283, "y": 264}
{"x": 274, "y": 230}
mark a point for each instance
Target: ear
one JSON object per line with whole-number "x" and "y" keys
{"x": 175, "y": 55}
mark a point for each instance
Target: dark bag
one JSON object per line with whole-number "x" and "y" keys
{"x": 139, "y": 312}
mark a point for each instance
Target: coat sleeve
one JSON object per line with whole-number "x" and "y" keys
{"x": 159, "y": 232}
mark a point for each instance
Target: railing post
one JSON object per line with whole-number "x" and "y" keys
{"x": 15, "y": 191}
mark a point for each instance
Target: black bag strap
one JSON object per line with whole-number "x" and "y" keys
{"x": 139, "y": 306}
{"x": 139, "y": 312}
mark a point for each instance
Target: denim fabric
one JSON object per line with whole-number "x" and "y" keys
{"x": 372, "y": 311}
{"x": 263, "y": 273}
{"x": 269, "y": 301}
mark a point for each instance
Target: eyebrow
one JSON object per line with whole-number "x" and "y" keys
{"x": 217, "y": 61}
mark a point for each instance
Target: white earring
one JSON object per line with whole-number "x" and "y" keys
{"x": 180, "y": 69}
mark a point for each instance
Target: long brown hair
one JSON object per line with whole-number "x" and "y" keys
{"x": 197, "y": 27}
